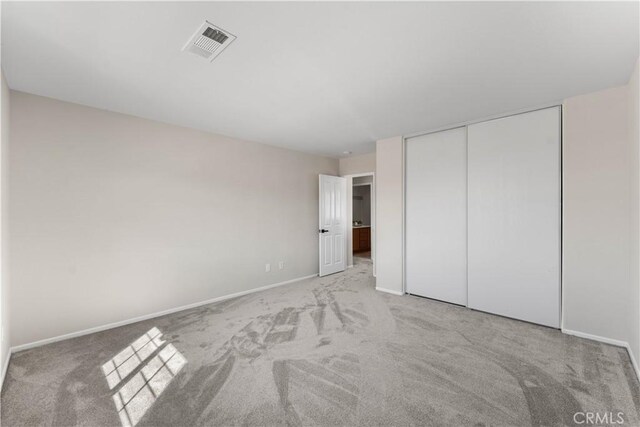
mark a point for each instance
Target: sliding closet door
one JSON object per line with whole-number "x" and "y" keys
{"x": 436, "y": 216}
{"x": 514, "y": 216}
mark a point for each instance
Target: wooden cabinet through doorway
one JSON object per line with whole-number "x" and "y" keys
{"x": 361, "y": 239}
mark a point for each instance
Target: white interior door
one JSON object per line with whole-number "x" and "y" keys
{"x": 436, "y": 216}
{"x": 514, "y": 216}
{"x": 333, "y": 224}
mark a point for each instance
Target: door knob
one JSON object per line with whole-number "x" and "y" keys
{"x": 324, "y": 231}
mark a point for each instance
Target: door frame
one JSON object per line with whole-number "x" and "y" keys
{"x": 350, "y": 216}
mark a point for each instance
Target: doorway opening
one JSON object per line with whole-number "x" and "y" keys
{"x": 361, "y": 217}
{"x": 361, "y": 212}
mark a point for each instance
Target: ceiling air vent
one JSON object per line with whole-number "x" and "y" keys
{"x": 209, "y": 41}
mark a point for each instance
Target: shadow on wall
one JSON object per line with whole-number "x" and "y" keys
{"x": 140, "y": 373}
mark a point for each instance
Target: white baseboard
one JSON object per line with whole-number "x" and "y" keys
{"x": 634, "y": 362}
{"x": 4, "y": 369}
{"x": 389, "y": 291}
{"x": 150, "y": 316}
{"x": 605, "y": 340}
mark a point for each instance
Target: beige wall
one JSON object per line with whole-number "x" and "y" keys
{"x": 358, "y": 164}
{"x": 389, "y": 213}
{"x": 118, "y": 217}
{"x": 4, "y": 223}
{"x": 634, "y": 137}
{"x": 598, "y": 215}
{"x": 362, "y": 204}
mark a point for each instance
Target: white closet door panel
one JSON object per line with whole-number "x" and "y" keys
{"x": 436, "y": 216}
{"x": 514, "y": 216}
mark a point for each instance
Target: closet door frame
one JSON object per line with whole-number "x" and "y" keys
{"x": 468, "y": 123}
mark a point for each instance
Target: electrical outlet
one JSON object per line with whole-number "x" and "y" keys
{"x": 281, "y": 265}
{"x": 267, "y": 268}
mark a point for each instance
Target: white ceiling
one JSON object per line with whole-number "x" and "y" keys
{"x": 319, "y": 77}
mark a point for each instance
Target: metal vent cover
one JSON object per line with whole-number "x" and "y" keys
{"x": 209, "y": 41}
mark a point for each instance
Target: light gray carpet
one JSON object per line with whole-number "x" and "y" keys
{"x": 327, "y": 351}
